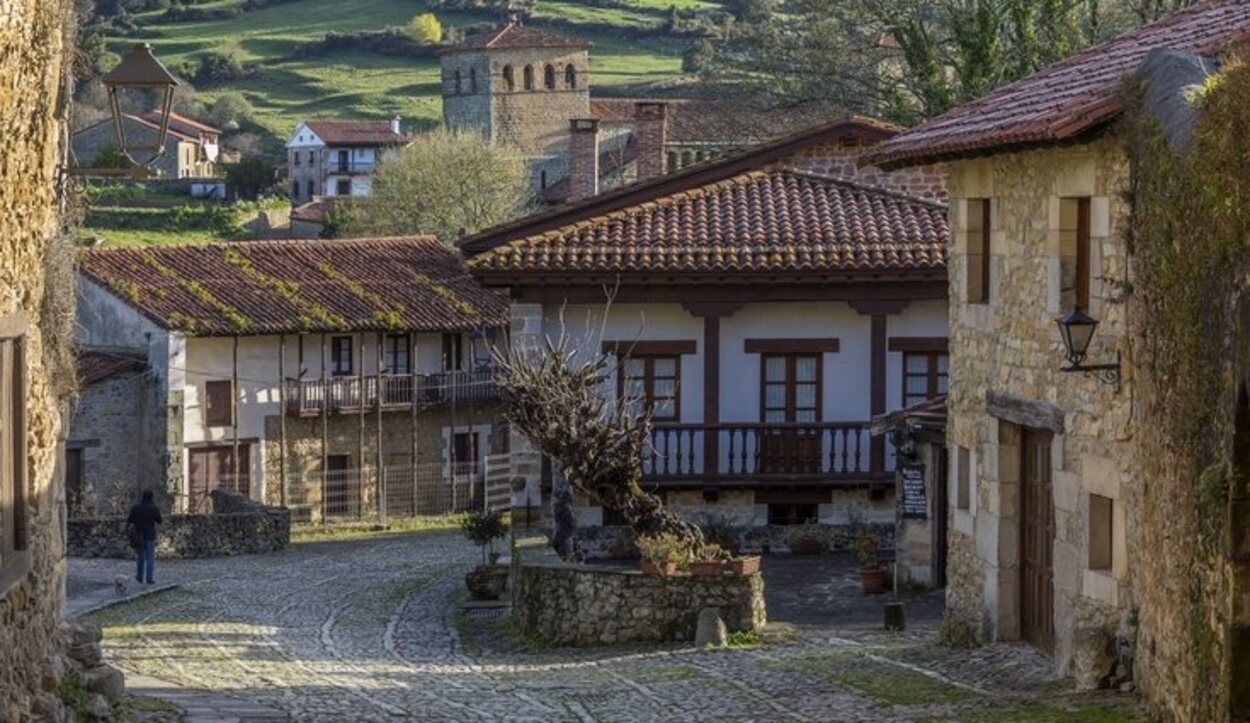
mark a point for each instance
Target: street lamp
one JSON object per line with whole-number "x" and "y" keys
{"x": 1077, "y": 330}
{"x": 138, "y": 71}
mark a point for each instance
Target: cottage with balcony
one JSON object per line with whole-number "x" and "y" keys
{"x": 307, "y": 373}
{"x": 333, "y": 159}
{"x": 764, "y": 310}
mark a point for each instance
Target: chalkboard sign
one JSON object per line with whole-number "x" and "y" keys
{"x": 915, "y": 503}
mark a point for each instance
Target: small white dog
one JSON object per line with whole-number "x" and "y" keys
{"x": 119, "y": 585}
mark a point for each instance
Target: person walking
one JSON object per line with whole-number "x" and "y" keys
{"x": 144, "y": 517}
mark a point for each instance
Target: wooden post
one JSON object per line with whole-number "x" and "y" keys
{"x": 325, "y": 431}
{"x": 282, "y": 411}
{"x": 234, "y": 412}
{"x": 379, "y": 477}
{"x": 412, "y": 390}
{"x": 450, "y": 379}
{"x": 360, "y": 432}
{"x": 877, "y": 401}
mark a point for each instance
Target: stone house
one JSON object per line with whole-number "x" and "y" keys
{"x": 110, "y": 430}
{"x": 1045, "y": 535}
{"x": 32, "y": 375}
{"x": 329, "y": 159}
{"x": 192, "y": 148}
{"x": 764, "y": 312}
{"x": 307, "y": 374}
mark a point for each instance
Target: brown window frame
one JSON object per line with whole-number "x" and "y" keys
{"x": 336, "y": 356}
{"x": 391, "y": 350}
{"x": 932, "y": 375}
{"x": 453, "y": 352}
{"x": 979, "y": 293}
{"x": 214, "y": 417}
{"x": 15, "y": 556}
{"x": 648, "y": 382}
{"x": 791, "y": 409}
{"x": 1082, "y": 281}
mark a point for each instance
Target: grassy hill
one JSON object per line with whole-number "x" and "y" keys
{"x": 631, "y": 48}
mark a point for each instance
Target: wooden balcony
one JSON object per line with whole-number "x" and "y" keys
{"x": 839, "y": 453}
{"x": 393, "y": 392}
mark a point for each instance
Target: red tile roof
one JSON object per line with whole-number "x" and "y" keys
{"x": 1068, "y": 98}
{"x": 97, "y": 365}
{"x": 515, "y": 35}
{"x": 692, "y": 120}
{"x": 848, "y": 128}
{"x": 270, "y": 287}
{"x": 776, "y": 221}
{"x": 356, "y": 133}
{"x": 182, "y": 124}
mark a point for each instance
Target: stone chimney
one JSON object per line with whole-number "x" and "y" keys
{"x": 583, "y": 158}
{"x": 395, "y": 125}
{"x": 650, "y": 134}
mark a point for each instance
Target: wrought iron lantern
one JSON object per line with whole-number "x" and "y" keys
{"x": 1076, "y": 329}
{"x": 139, "y": 71}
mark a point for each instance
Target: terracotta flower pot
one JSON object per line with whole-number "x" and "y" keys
{"x": 649, "y": 568}
{"x": 804, "y": 546}
{"x": 872, "y": 579}
{"x": 707, "y": 568}
{"x": 740, "y": 566}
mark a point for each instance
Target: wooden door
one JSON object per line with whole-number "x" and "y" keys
{"x": 211, "y": 469}
{"x": 941, "y": 495}
{"x": 1037, "y": 538}
{"x": 790, "y": 387}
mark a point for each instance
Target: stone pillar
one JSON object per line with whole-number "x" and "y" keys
{"x": 651, "y": 134}
{"x": 583, "y": 158}
{"x": 526, "y": 336}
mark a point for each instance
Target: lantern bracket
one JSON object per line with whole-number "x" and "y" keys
{"x": 1105, "y": 373}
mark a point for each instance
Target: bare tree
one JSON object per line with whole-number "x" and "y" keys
{"x": 555, "y": 399}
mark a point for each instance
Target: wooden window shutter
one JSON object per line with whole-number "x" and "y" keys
{"x": 977, "y": 237}
{"x": 218, "y": 403}
{"x": 14, "y": 530}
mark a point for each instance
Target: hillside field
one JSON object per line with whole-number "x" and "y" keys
{"x": 285, "y": 90}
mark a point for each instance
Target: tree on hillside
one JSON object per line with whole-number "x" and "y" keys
{"x": 443, "y": 183}
{"x": 906, "y": 59}
{"x": 425, "y": 29}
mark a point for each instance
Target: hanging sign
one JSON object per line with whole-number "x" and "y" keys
{"x": 914, "y": 502}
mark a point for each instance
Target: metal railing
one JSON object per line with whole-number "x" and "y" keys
{"x": 393, "y": 391}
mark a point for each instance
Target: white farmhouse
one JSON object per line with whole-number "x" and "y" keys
{"x": 331, "y": 159}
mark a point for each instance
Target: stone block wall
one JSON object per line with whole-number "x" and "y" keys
{"x": 237, "y": 526}
{"x": 584, "y": 605}
{"x": 32, "y": 56}
{"x": 834, "y": 159}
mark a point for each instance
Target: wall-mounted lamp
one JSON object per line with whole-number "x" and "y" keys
{"x": 1077, "y": 331}
{"x": 140, "y": 72}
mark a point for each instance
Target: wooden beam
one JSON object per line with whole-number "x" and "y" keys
{"x": 282, "y": 419}
{"x": 919, "y": 344}
{"x": 877, "y": 384}
{"x": 650, "y": 348}
{"x": 234, "y": 412}
{"x": 325, "y": 429}
{"x": 379, "y": 480}
{"x": 711, "y": 396}
{"x": 792, "y": 346}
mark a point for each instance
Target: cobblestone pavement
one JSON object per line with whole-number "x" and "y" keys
{"x": 370, "y": 630}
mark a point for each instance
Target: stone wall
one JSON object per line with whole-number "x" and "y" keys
{"x": 584, "y": 605}
{"x": 1005, "y": 357}
{"x": 237, "y": 526}
{"x": 32, "y": 54}
{"x": 90, "y": 142}
{"x": 836, "y": 159}
{"x": 114, "y": 425}
{"x": 616, "y": 541}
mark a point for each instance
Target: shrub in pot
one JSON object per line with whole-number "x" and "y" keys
{"x": 721, "y": 530}
{"x": 710, "y": 561}
{"x": 809, "y": 538}
{"x": 871, "y": 572}
{"x": 662, "y": 554}
{"x": 745, "y": 565}
{"x": 487, "y": 580}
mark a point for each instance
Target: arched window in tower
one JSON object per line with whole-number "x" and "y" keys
{"x": 528, "y": 76}
{"x": 472, "y": 81}
{"x": 549, "y": 77}
{"x": 508, "y": 78}
{"x": 459, "y": 85}
{"x": 570, "y": 76}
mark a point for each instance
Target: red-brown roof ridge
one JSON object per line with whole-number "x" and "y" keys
{"x": 1067, "y": 99}
{"x": 356, "y": 132}
{"x": 516, "y": 35}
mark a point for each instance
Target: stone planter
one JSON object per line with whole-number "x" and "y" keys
{"x": 668, "y": 570}
{"x": 742, "y": 566}
{"x": 486, "y": 582}
{"x": 807, "y": 547}
{"x": 872, "y": 580}
{"x": 708, "y": 568}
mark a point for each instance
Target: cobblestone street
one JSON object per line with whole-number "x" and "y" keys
{"x": 371, "y": 630}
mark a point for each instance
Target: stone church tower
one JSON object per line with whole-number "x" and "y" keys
{"x": 522, "y": 87}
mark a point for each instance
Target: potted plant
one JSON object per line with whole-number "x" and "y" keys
{"x": 662, "y": 554}
{"x": 871, "y": 573}
{"x": 710, "y": 561}
{"x": 743, "y": 565}
{"x": 721, "y": 530}
{"x": 487, "y": 580}
{"x": 809, "y": 538}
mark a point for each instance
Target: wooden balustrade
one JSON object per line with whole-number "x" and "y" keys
{"x": 350, "y": 394}
{"x": 760, "y": 452}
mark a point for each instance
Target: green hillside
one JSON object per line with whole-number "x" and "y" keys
{"x": 632, "y": 47}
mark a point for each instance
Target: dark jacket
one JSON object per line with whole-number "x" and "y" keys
{"x": 145, "y": 516}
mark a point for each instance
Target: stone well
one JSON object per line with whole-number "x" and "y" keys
{"x": 590, "y": 605}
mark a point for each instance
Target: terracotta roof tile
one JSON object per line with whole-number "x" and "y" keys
{"x": 95, "y": 365}
{"x": 183, "y": 124}
{"x": 269, "y": 287}
{"x": 1069, "y": 97}
{"x": 776, "y": 221}
{"x": 693, "y": 120}
{"x": 515, "y": 35}
{"x": 356, "y": 133}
